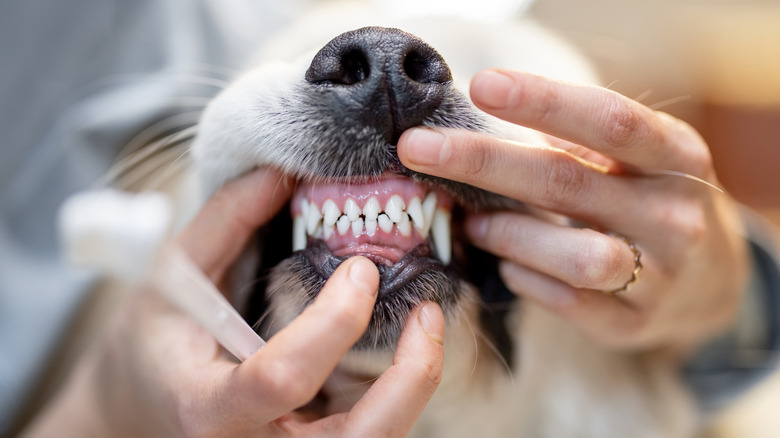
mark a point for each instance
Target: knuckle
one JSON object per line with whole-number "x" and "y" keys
{"x": 601, "y": 263}
{"x": 698, "y": 157}
{"x": 625, "y": 123}
{"x": 478, "y": 162}
{"x": 289, "y": 385}
{"x": 688, "y": 223}
{"x": 545, "y": 104}
{"x": 566, "y": 183}
{"x": 502, "y": 234}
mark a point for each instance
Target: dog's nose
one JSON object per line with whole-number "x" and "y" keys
{"x": 385, "y": 78}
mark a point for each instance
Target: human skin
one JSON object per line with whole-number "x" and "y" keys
{"x": 157, "y": 373}
{"x": 607, "y": 165}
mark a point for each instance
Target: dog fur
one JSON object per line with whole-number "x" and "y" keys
{"x": 550, "y": 381}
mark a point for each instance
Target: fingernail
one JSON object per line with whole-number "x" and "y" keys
{"x": 363, "y": 274}
{"x": 431, "y": 321}
{"x": 492, "y": 89}
{"x": 476, "y": 227}
{"x": 426, "y": 147}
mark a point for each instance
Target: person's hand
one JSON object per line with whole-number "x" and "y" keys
{"x": 608, "y": 168}
{"x": 157, "y": 373}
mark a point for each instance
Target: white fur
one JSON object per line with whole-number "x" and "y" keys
{"x": 562, "y": 385}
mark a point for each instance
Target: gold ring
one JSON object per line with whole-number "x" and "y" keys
{"x": 637, "y": 264}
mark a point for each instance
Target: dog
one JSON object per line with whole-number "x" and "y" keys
{"x": 327, "y": 107}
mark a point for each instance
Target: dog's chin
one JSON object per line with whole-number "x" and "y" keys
{"x": 415, "y": 278}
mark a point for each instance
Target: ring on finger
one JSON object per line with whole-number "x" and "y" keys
{"x": 637, "y": 264}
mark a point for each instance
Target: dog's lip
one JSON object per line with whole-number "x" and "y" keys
{"x": 391, "y": 277}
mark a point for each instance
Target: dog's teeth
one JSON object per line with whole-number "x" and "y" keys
{"x": 385, "y": 224}
{"x": 304, "y": 208}
{"x": 313, "y": 219}
{"x": 440, "y": 235}
{"x": 428, "y": 208}
{"x": 357, "y": 227}
{"x": 327, "y": 231}
{"x": 299, "y": 233}
{"x": 371, "y": 226}
{"x": 415, "y": 212}
{"x": 330, "y": 213}
{"x": 343, "y": 225}
{"x": 395, "y": 208}
{"x": 405, "y": 225}
{"x": 352, "y": 210}
{"x": 371, "y": 209}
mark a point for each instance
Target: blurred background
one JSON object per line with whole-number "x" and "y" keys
{"x": 716, "y": 65}
{"x": 713, "y": 63}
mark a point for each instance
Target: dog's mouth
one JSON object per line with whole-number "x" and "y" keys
{"x": 355, "y": 198}
{"x": 384, "y": 219}
{"x": 403, "y": 226}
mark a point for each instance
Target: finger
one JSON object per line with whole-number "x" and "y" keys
{"x": 546, "y": 177}
{"x": 290, "y": 370}
{"x": 219, "y": 232}
{"x": 395, "y": 401}
{"x": 611, "y": 320}
{"x": 579, "y": 257}
{"x": 594, "y": 117}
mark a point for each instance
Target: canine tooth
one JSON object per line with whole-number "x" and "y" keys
{"x": 405, "y": 225}
{"x": 352, "y": 210}
{"x": 440, "y": 235}
{"x": 416, "y": 213}
{"x": 299, "y": 233}
{"x": 371, "y": 209}
{"x": 371, "y": 227}
{"x": 328, "y": 230}
{"x": 330, "y": 213}
{"x": 428, "y": 208}
{"x": 313, "y": 219}
{"x": 385, "y": 224}
{"x": 357, "y": 227}
{"x": 304, "y": 208}
{"x": 343, "y": 224}
{"x": 395, "y": 208}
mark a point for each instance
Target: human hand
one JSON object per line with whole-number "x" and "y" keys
{"x": 608, "y": 168}
{"x": 158, "y": 373}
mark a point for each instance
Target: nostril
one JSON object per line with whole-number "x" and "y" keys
{"x": 382, "y": 79}
{"x": 425, "y": 69}
{"x": 355, "y": 67}
{"x": 344, "y": 68}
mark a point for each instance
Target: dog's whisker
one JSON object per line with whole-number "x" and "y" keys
{"x": 160, "y": 130}
{"x": 144, "y": 171}
{"x": 500, "y": 357}
{"x": 126, "y": 166}
{"x": 176, "y": 167}
{"x": 643, "y": 95}
{"x": 475, "y": 339}
{"x": 669, "y": 102}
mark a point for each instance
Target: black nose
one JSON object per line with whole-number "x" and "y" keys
{"x": 386, "y": 78}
